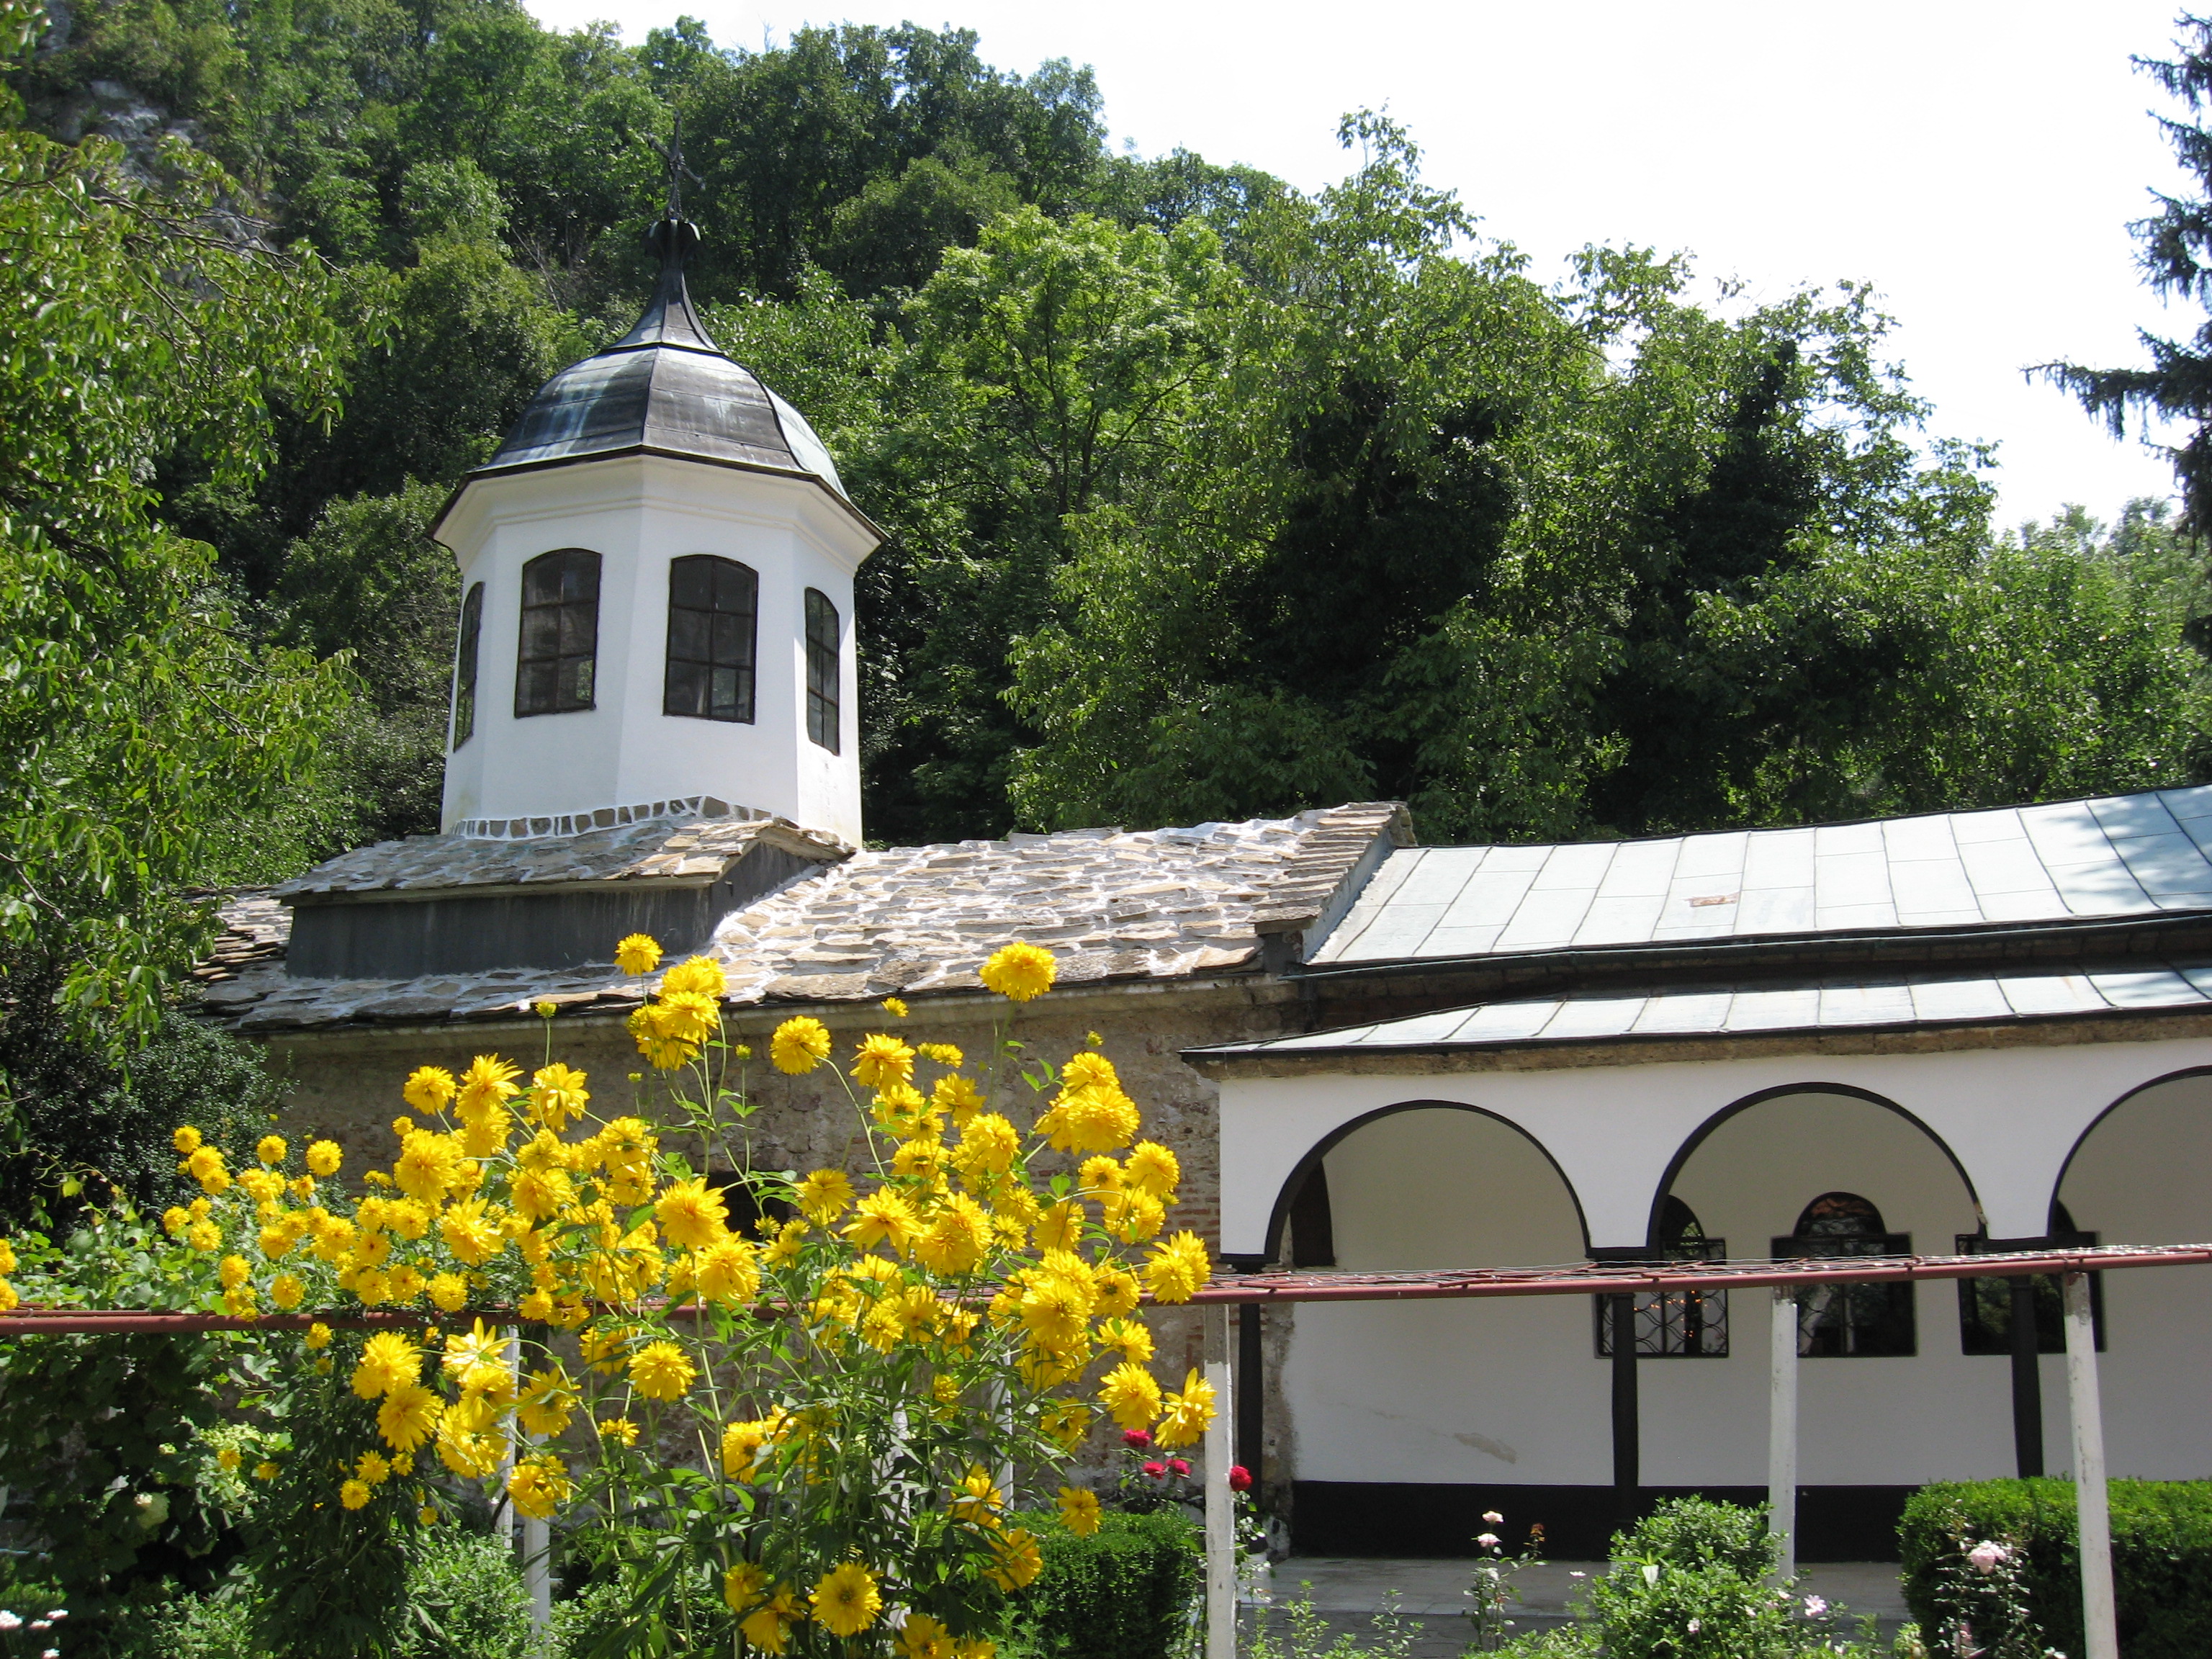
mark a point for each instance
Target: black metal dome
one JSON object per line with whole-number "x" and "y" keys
{"x": 666, "y": 387}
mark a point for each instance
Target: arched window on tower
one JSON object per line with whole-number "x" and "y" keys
{"x": 560, "y": 641}
{"x": 1675, "y": 1324}
{"x": 464, "y": 665}
{"x": 1848, "y": 1321}
{"x": 713, "y": 606}
{"x": 821, "y": 670}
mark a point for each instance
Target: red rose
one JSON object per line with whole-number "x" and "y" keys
{"x": 1240, "y": 1478}
{"x": 1136, "y": 1439}
{"x": 1181, "y": 1469}
{"x": 1157, "y": 1471}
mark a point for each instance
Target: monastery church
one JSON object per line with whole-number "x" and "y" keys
{"x": 1975, "y": 1031}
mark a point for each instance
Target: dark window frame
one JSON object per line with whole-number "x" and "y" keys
{"x": 468, "y": 657}
{"x": 710, "y": 663}
{"x": 563, "y": 678}
{"x": 1675, "y": 1324}
{"x": 824, "y": 670}
{"x": 1843, "y": 1320}
{"x": 1986, "y": 1304}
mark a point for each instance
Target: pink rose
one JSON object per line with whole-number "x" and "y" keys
{"x": 1180, "y": 1469}
{"x": 1156, "y": 1471}
{"x": 1136, "y": 1439}
{"x": 1987, "y": 1557}
{"x": 1240, "y": 1478}
{"x": 1492, "y": 1518}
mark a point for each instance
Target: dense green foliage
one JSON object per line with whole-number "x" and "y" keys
{"x": 1126, "y": 1591}
{"x": 2162, "y": 1556}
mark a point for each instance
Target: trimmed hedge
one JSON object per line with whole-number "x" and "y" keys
{"x": 2161, "y": 1556}
{"x": 1125, "y": 1592}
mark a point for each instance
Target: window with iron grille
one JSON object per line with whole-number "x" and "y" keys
{"x": 560, "y": 637}
{"x": 465, "y": 667}
{"x": 713, "y": 607}
{"x": 1850, "y": 1322}
{"x": 1986, "y": 1304}
{"x": 1675, "y": 1324}
{"x": 821, "y": 671}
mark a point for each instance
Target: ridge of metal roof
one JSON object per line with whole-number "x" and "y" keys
{"x": 1830, "y": 1005}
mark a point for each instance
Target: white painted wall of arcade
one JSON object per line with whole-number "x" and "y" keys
{"x": 1471, "y": 1168}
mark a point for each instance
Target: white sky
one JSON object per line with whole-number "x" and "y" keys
{"x": 1977, "y": 162}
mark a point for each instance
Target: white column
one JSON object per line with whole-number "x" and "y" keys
{"x": 537, "y": 1540}
{"x": 2099, "y": 1622}
{"x": 1220, "y": 1502}
{"x": 1782, "y": 1429}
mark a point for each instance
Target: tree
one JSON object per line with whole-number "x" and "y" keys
{"x": 2175, "y": 255}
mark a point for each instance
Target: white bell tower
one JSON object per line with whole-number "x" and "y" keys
{"x": 656, "y": 596}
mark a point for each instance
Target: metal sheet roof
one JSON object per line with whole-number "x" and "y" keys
{"x": 2118, "y": 856}
{"x": 1707, "y": 1010}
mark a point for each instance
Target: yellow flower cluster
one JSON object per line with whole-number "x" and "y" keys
{"x": 670, "y": 1029}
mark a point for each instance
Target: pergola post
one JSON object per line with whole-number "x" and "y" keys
{"x": 1782, "y": 1430}
{"x": 1220, "y": 1501}
{"x": 2027, "y": 1381}
{"x": 2099, "y": 1621}
{"x": 537, "y": 1538}
{"x": 1627, "y": 1451}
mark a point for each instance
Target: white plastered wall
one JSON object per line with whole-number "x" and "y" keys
{"x": 639, "y": 513}
{"x": 1383, "y": 1392}
{"x": 2144, "y": 1177}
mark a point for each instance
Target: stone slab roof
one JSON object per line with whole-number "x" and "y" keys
{"x": 1710, "y": 1011}
{"x": 1112, "y": 905}
{"x": 2123, "y": 856}
{"x": 695, "y": 849}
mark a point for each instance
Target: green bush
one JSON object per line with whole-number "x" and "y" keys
{"x": 1125, "y": 1592}
{"x": 466, "y": 1599}
{"x": 2161, "y": 1556}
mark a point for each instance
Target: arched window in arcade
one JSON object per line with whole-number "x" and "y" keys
{"x": 822, "y": 672}
{"x": 464, "y": 665}
{"x": 559, "y": 647}
{"x": 1853, "y": 1321}
{"x": 713, "y": 606}
{"x": 1986, "y": 1305}
{"x": 1676, "y": 1324}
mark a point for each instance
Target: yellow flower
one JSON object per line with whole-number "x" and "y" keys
{"x": 895, "y": 1007}
{"x": 637, "y": 953}
{"x": 1080, "y": 1509}
{"x": 548, "y": 1399}
{"x": 204, "y": 1236}
{"x": 8, "y": 1299}
{"x": 174, "y": 1220}
{"x": 824, "y": 1195}
{"x": 449, "y": 1293}
{"x": 557, "y": 1096}
{"x": 1060, "y": 1227}
{"x": 692, "y": 1215}
{"x": 846, "y": 1601}
{"x": 988, "y": 1146}
{"x": 372, "y": 1469}
{"x": 957, "y": 1097}
{"x": 660, "y": 1371}
{"x": 695, "y": 977}
{"x": 408, "y": 1416}
{"x": 978, "y": 1499}
{"x": 883, "y": 1218}
{"x": 186, "y": 1141}
{"x": 957, "y": 1236}
{"x": 1127, "y": 1336}
{"x": 469, "y": 1234}
{"x": 324, "y": 1158}
{"x": 727, "y": 1272}
{"x": 487, "y": 1084}
{"x": 799, "y": 1045}
{"x": 1017, "y": 1559}
{"x": 769, "y": 1628}
{"x": 539, "y": 1486}
{"x": 881, "y": 1060}
{"x": 1184, "y": 1416}
{"x": 234, "y": 1272}
{"x": 388, "y": 1361}
{"x": 265, "y": 1471}
{"x": 923, "y": 1638}
{"x": 271, "y": 1151}
{"x": 1091, "y": 1118}
{"x": 741, "y": 1446}
{"x": 229, "y": 1459}
{"x": 1153, "y": 1169}
{"x": 1130, "y": 1392}
{"x": 354, "y": 1495}
{"x": 945, "y": 1053}
{"x": 318, "y": 1335}
{"x": 618, "y": 1428}
{"x": 1179, "y": 1267}
{"x": 1019, "y": 971}
{"x": 428, "y": 1164}
{"x": 744, "y": 1584}
{"x": 545, "y": 1010}
{"x": 206, "y": 1168}
{"x": 286, "y": 1290}
{"x": 428, "y": 1088}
